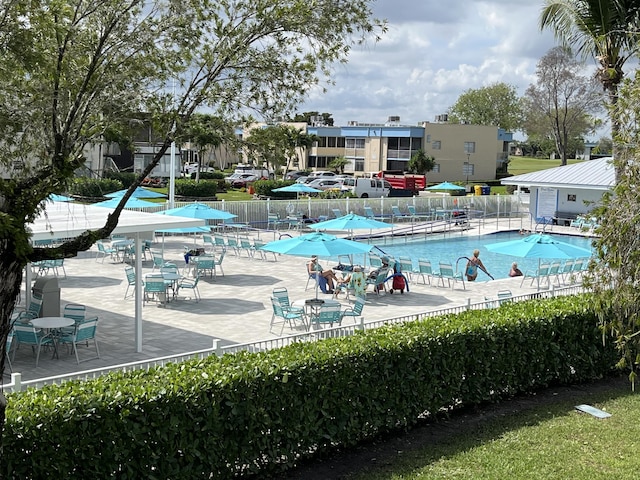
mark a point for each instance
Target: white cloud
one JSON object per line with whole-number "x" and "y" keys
{"x": 432, "y": 53}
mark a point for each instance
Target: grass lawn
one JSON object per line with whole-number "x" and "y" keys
{"x": 539, "y": 438}
{"x": 519, "y": 165}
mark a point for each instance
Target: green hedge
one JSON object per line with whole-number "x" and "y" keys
{"x": 191, "y": 188}
{"x": 261, "y": 413}
{"x": 94, "y": 187}
{"x": 126, "y": 178}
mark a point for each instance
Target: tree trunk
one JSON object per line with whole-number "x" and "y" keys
{"x": 9, "y": 290}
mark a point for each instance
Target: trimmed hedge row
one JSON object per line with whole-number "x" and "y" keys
{"x": 262, "y": 412}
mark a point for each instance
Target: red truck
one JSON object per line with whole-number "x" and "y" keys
{"x": 404, "y": 181}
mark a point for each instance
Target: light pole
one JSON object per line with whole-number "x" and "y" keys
{"x": 467, "y": 169}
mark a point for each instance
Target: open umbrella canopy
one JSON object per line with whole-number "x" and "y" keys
{"x": 185, "y": 230}
{"x": 445, "y": 186}
{"x": 131, "y": 203}
{"x": 201, "y": 211}
{"x": 350, "y": 221}
{"x": 297, "y": 188}
{"x": 539, "y": 246}
{"x": 138, "y": 193}
{"x": 54, "y": 197}
{"x": 317, "y": 243}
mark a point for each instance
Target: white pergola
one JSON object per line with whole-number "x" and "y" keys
{"x": 62, "y": 220}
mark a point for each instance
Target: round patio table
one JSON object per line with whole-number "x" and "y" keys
{"x": 53, "y": 326}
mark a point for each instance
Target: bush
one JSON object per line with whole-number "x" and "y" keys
{"x": 190, "y": 188}
{"x": 260, "y": 413}
{"x": 94, "y": 187}
{"x": 126, "y": 178}
{"x": 266, "y": 187}
{"x": 208, "y": 176}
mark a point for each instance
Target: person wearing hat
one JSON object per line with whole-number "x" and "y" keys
{"x": 384, "y": 268}
{"x": 316, "y": 271}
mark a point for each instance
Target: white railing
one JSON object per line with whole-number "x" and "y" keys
{"x": 16, "y": 384}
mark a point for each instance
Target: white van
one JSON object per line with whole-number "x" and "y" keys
{"x": 367, "y": 187}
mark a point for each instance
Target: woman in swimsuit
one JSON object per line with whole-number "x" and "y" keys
{"x": 472, "y": 266}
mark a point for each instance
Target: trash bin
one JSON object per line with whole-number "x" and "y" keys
{"x": 486, "y": 190}
{"x": 48, "y": 289}
{"x": 477, "y": 189}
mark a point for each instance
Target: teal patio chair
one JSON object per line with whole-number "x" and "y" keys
{"x": 424, "y": 270}
{"x": 541, "y": 273}
{"x": 26, "y": 334}
{"x": 205, "y": 264}
{"x": 155, "y": 289}
{"x": 247, "y": 247}
{"x": 217, "y": 262}
{"x": 328, "y": 314}
{"x": 406, "y": 266}
{"x": 189, "y": 284}
{"x": 32, "y": 311}
{"x": 105, "y": 251}
{"x": 263, "y": 253}
{"x": 355, "y": 311}
{"x": 452, "y": 277}
{"x": 396, "y": 214}
{"x": 84, "y": 333}
{"x": 131, "y": 281}
{"x": 288, "y": 315}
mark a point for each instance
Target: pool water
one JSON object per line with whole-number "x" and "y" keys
{"x": 450, "y": 249}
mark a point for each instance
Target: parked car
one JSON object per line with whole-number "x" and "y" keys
{"x": 326, "y": 183}
{"x": 301, "y": 179}
{"x": 243, "y": 180}
{"x": 322, "y": 173}
{"x": 295, "y": 175}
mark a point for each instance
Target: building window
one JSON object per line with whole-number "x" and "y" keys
{"x": 436, "y": 168}
{"x": 436, "y": 145}
{"x": 331, "y": 142}
{"x": 322, "y": 142}
{"x": 469, "y": 147}
{"x": 429, "y": 138}
{"x": 340, "y": 142}
{"x": 571, "y": 198}
{"x": 358, "y": 165}
{"x": 354, "y": 143}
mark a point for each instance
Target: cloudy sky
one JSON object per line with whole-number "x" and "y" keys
{"x": 433, "y": 51}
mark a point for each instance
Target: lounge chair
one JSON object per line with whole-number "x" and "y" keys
{"x": 424, "y": 270}
{"x": 396, "y": 214}
{"x": 447, "y": 273}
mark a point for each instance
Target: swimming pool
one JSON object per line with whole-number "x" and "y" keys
{"x": 451, "y": 248}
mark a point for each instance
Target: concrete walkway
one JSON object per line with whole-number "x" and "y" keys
{"x": 235, "y": 308}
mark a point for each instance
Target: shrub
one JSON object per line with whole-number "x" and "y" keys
{"x": 259, "y": 413}
{"x": 208, "y": 176}
{"x": 94, "y": 187}
{"x": 266, "y": 187}
{"x": 126, "y": 178}
{"x": 190, "y": 188}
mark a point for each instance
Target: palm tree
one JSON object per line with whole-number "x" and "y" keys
{"x": 606, "y": 29}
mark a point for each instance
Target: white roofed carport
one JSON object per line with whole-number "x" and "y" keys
{"x": 62, "y": 220}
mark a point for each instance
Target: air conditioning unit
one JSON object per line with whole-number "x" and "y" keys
{"x": 352, "y": 123}
{"x": 394, "y": 119}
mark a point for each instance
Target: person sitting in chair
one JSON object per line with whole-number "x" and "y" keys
{"x": 315, "y": 269}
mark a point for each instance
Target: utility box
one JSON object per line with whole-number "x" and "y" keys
{"x": 49, "y": 290}
{"x": 486, "y": 190}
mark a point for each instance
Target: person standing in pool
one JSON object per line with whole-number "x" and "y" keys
{"x": 473, "y": 264}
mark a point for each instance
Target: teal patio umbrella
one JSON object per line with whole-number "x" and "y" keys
{"x": 318, "y": 243}
{"x": 131, "y": 203}
{"x": 199, "y": 210}
{"x": 297, "y": 188}
{"x": 137, "y": 193}
{"x": 54, "y": 197}
{"x": 540, "y": 246}
{"x": 350, "y": 222}
{"x": 446, "y": 186}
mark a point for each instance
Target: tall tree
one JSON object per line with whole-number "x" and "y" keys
{"x": 604, "y": 29}
{"x": 496, "y": 105}
{"x": 207, "y": 132}
{"x": 70, "y": 70}
{"x": 561, "y": 103}
{"x": 615, "y": 275}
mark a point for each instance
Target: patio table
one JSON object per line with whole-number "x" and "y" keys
{"x": 53, "y": 326}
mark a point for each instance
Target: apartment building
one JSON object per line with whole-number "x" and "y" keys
{"x": 462, "y": 152}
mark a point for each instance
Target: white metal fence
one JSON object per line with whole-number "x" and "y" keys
{"x": 17, "y": 384}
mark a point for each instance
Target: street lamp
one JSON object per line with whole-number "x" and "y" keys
{"x": 466, "y": 169}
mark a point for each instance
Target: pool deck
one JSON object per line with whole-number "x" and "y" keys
{"x": 235, "y": 308}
